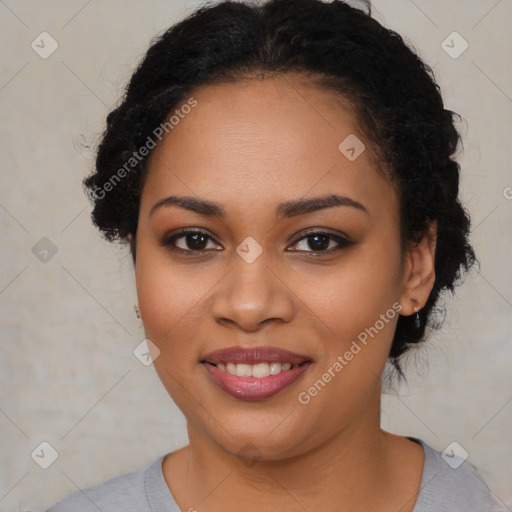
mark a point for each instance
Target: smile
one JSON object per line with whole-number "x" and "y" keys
{"x": 254, "y": 373}
{"x": 259, "y": 370}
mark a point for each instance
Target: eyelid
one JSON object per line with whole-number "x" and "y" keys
{"x": 322, "y": 231}
{"x": 341, "y": 239}
{"x": 169, "y": 239}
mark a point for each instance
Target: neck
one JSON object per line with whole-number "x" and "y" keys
{"x": 349, "y": 471}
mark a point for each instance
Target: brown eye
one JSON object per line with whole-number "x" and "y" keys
{"x": 319, "y": 242}
{"x": 190, "y": 241}
{"x": 197, "y": 241}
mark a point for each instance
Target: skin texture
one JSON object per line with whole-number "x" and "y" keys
{"x": 250, "y": 146}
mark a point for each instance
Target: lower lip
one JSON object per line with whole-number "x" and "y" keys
{"x": 253, "y": 388}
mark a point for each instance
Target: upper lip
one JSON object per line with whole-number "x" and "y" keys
{"x": 254, "y": 355}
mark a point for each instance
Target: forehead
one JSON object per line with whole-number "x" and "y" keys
{"x": 265, "y": 141}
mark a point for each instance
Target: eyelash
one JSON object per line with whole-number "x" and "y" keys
{"x": 343, "y": 243}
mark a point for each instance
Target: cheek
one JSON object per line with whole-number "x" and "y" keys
{"x": 169, "y": 297}
{"x": 352, "y": 296}
{"x": 169, "y": 300}
{"x": 359, "y": 304}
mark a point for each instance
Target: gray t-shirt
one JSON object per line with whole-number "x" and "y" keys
{"x": 443, "y": 489}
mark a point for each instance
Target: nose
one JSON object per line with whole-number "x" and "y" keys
{"x": 251, "y": 295}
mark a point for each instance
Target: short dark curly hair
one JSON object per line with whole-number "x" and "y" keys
{"x": 343, "y": 49}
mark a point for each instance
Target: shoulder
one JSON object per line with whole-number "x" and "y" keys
{"x": 452, "y": 483}
{"x": 126, "y": 493}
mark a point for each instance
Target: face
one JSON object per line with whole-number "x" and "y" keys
{"x": 286, "y": 246}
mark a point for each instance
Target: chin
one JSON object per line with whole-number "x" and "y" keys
{"x": 260, "y": 440}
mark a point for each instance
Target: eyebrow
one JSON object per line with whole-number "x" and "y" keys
{"x": 302, "y": 206}
{"x": 286, "y": 209}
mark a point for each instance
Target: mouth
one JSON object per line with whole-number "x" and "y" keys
{"x": 259, "y": 370}
{"x": 254, "y": 373}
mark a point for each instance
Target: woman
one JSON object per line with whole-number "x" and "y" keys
{"x": 283, "y": 175}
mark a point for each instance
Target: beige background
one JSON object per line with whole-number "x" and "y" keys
{"x": 68, "y": 375}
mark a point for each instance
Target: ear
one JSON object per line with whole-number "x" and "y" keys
{"x": 131, "y": 240}
{"x": 419, "y": 272}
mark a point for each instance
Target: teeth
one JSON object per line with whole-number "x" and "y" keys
{"x": 260, "y": 370}
{"x": 255, "y": 370}
{"x": 275, "y": 368}
{"x": 243, "y": 370}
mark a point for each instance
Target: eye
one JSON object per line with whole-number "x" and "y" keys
{"x": 199, "y": 241}
{"x": 322, "y": 242}
{"x": 190, "y": 240}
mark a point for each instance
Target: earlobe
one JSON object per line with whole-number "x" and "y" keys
{"x": 419, "y": 275}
